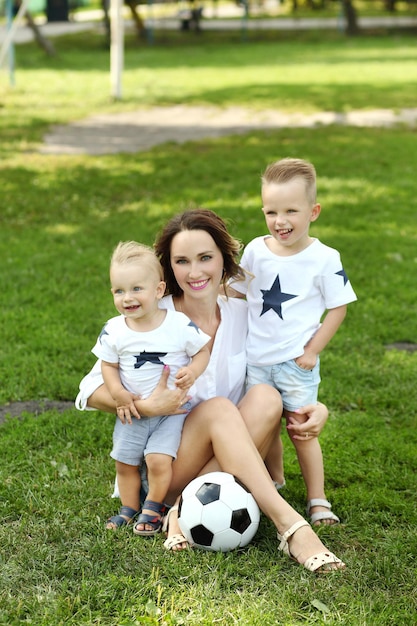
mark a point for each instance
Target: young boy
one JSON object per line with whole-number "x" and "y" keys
{"x": 292, "y": 280}
{"x": 133, "y": 348}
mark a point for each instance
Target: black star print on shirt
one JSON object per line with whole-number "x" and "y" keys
{"x": 103, "y": 332}
{"x": 148, "y": 357}
{"x": 274, "y": 298}
{"x": 344, "y": 275}
{"x": 194, "y": 326}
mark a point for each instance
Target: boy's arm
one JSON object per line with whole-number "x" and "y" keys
{"x": 124, "y": 399}
{"x": 186, "y": 376}
{"x": 319, "y": 341}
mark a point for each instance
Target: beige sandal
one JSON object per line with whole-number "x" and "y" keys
{"x": 175, "y": 540}
{"x": 321, "y": 516}
{"x": 317, "y": 562}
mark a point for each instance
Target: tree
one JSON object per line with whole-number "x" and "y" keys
{"x": 349, "y": 11}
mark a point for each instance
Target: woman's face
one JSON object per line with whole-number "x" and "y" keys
{"x": 197, "y": 263}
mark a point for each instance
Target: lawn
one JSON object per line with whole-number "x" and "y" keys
{"x": 60, "y": 218}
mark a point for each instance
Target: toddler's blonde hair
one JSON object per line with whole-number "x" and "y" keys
{"x": 133, "y": 252}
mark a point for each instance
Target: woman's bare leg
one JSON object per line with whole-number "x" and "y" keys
{"x": 274, "y": 461}
{"x": 215, "y": 428}
{"x": 261, "y": 409}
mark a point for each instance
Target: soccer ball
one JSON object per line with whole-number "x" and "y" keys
{"x": 217, "y": 512}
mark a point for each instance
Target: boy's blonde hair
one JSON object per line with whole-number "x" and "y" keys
{"x": 133, "y": 252}
{"x": 286, "y": 169}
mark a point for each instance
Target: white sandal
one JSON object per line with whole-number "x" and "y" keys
{"x": 175, "y": 540}
{"x": 321, "y": 515}
{"x": 315, "y": 562}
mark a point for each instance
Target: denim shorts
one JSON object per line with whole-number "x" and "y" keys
{"x": 297, "y": 387}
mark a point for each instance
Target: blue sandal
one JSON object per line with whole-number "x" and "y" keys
{"x": 123, "y": 518}
{"x": 155, "y": 521}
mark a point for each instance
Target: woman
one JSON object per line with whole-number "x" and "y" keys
{"x": 224, "y": 431}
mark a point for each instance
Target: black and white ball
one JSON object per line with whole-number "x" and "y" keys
{"x": 217, "y": 512}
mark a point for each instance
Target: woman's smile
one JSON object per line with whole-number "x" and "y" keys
{"x": 197, "y": 285}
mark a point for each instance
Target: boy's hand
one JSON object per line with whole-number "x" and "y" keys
{"x": 184, "y": 378}
{"x": 125, "y": 406}
{"x": 307, "y": 361}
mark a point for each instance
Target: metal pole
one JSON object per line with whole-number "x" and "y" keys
{"x": 150, "y": 25}
{"x": 116, "y": 47}
{"x": 11, "y": 32}
{"x": 245, "y": 19}
{"x": 9, "y": 16}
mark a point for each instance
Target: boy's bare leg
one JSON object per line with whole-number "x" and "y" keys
{"x": 310, "y": 459}
{"x": 159, "y": 468}
{"x": 128, "y": 481}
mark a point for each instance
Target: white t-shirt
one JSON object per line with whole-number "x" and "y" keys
{"x": 226, "y": 371}
{"x": 287, "y": 296}
{"x": 142, "y": 355}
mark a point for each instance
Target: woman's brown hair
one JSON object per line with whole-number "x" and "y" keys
{"x": 211, "y": 223}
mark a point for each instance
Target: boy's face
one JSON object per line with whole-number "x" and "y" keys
{"x": 136, "y": 289}
{"x": 288, "y": 213}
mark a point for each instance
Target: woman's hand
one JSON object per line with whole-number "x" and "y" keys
{"x": 315, "y": 416}
{"x": 163, "y": 401}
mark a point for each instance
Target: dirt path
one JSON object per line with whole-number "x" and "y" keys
{"x": 34, "y": 407}
{"x": 143, "y": 129}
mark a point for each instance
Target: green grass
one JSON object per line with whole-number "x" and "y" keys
{"x": 60, "y": 217}
{"x": 272, "y": 70}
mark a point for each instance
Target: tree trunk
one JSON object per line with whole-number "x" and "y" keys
{"x": 40, "y": 39}
{"x": 352, "y": 27}
{"x": 140, "y": 26}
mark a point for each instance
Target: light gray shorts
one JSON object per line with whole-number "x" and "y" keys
{"x": 297, "y": 387}
{"x": 132, "y": 442}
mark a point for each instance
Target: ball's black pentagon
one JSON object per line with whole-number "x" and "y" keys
{"x": 201, "y": 535}
{"x": 208, "y": 492}
{"x": 239, "y": 482}
{"x": 180, "y": 506}
{"x": 241, "y": 520}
